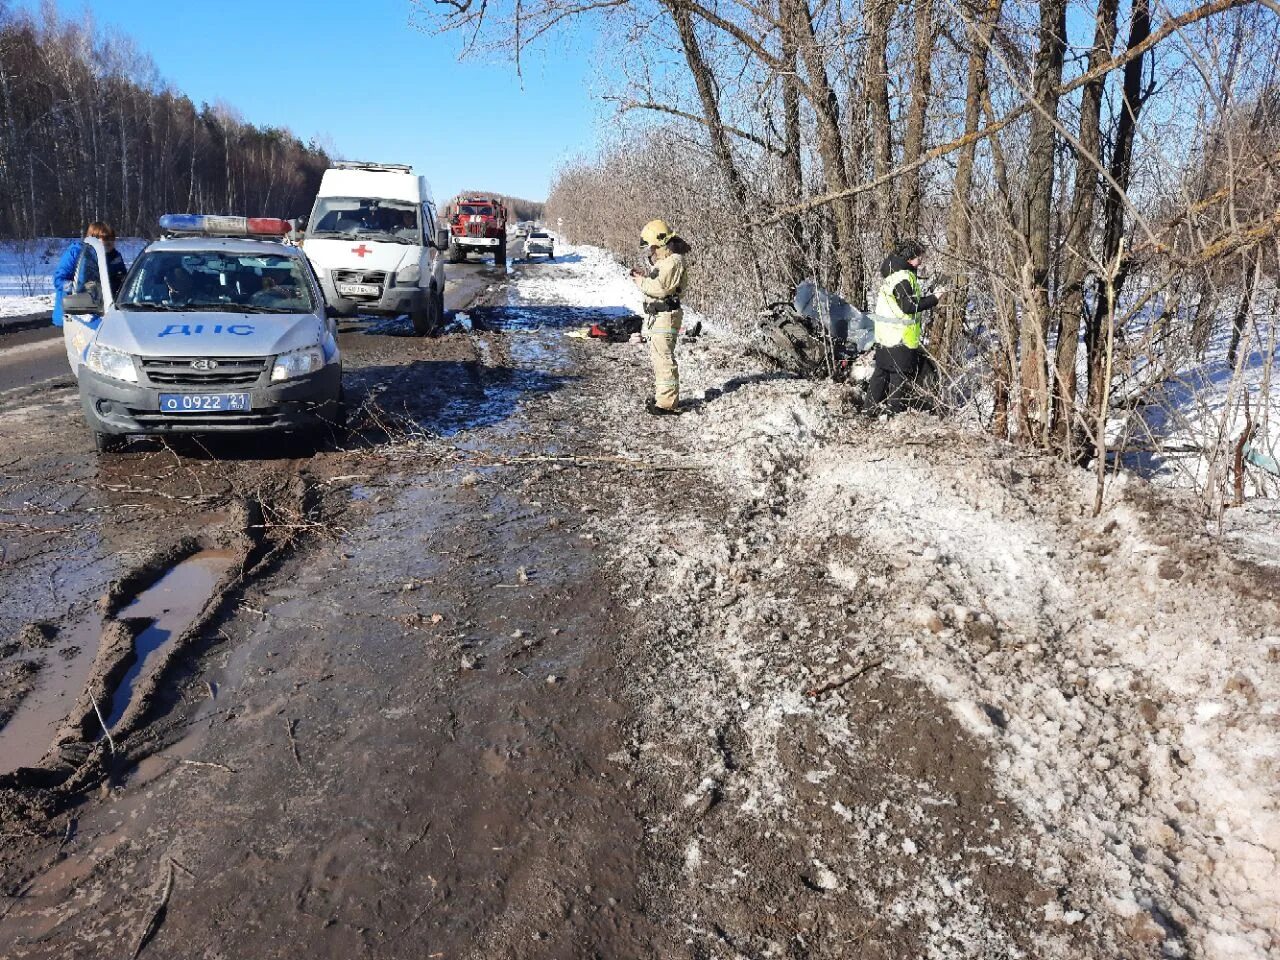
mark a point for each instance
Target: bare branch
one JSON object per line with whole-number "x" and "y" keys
{"x": 625, "y": 106}
{"x": 1192, "y": 16}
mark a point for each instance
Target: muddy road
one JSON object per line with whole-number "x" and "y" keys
{"x": 514, "y": 670}
{"x": 382, "y": 661}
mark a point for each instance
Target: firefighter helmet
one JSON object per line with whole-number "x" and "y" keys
{"x": 656, "y": 233}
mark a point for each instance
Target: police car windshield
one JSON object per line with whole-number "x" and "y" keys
{"x": 393, "y": 221}
{"x": 217, "y": 281}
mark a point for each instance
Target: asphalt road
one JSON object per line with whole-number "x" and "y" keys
{"x": 31, "y": 356}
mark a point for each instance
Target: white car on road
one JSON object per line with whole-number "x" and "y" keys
{"x": 539, "y": 241}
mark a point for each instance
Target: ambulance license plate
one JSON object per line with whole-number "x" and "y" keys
{"x": 203, "y": 402}
{"x": 360, "y": 289}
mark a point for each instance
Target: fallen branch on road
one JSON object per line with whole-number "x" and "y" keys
{"x": 293, "y": 743}
{"x": 157, "y": 915}
{"x": 843, "y": 679}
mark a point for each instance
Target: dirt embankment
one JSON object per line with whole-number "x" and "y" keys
{"x": 921, "y": 703}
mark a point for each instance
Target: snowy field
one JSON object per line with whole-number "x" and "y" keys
{"x": 1198, "y": 415}
{"x": 1122, "y": 673}
{"x": 26, "y": 271}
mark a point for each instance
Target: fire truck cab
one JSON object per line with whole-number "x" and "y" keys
{"x": 478, "y": 225}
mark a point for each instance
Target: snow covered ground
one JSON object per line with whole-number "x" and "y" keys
{"x": 26, "y": 269}
{"x": 1192, "y": 421}
{"x": 1118, "y": 678}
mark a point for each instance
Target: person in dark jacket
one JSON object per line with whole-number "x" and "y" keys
{"x": 899, "y": 324}
{"x": 64, "y": 272}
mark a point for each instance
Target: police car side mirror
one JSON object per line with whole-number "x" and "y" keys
{"x": 84, "y": 302}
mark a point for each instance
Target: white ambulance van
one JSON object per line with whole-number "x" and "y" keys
{"x": 375, "y": 243}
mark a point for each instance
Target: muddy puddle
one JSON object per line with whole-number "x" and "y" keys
{"x": 168, "y": 607}
{"x": 30, "y": 731}
{"x": 170, "y": 604}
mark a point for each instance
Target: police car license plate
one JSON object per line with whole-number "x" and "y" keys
{"x": 360, "y": 289}
{"x": 203, "y": 402}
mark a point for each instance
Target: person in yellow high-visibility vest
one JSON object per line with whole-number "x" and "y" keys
{"x": 899, "y": 323}
{"x": 662, "y": 287}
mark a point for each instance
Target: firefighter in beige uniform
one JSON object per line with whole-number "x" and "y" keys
{"x": 662, "y": 287}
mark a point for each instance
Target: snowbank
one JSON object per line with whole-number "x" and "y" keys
{"x": 1194, "y": 417}
{"x": 1122, "y": 673}
{"x": 26, "y": 269}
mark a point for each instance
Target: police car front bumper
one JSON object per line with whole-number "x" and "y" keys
{"x": 302, "y": 403}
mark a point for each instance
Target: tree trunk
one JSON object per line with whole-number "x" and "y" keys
{"x": 705, "y": 82}
{"x": 826, "y": 108}
{"x": 1038, "y": 222}
{"x": 959, "y": 226}
{"x": 1120, "y": 169}
{"x": 792, "y": 166}
{"x": 879, "y": 15}
{"x": 1076, "y": 261}
{"x": 1202, "y": 325}
{"x": 913, "y": 138}
{"x": 1244, "y": 309}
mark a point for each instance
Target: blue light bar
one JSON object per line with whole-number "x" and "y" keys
{"x": 182, "y": 223}
{"x": 205, "y": 224}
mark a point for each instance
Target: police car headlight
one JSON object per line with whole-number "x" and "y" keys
{"x": 297, "y": 363}
{"x": 112, "y": 363}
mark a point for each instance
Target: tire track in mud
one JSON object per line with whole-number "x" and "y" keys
{"x": 168, "y": 501}
{"x": 253, "y": 535}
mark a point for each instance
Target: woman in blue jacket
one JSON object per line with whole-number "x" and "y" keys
{"x": 64, "y": 272}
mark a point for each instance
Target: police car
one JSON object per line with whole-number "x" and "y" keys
{"x": 218, "y": 327}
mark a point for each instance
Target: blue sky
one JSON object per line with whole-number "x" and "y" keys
{"x": 357, "y": 72}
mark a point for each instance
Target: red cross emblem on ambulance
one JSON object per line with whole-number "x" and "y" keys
{"x": 360, "y": 251}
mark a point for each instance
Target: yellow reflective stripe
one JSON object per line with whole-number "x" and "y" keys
{"x": 890, "y": 334}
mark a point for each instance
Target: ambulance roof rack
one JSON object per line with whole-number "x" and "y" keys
{"x": 366, "y": 165}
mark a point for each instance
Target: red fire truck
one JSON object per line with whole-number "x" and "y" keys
{"x": 478, "y": 225}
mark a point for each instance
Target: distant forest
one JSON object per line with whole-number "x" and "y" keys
{"x": 89, "y": 131}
